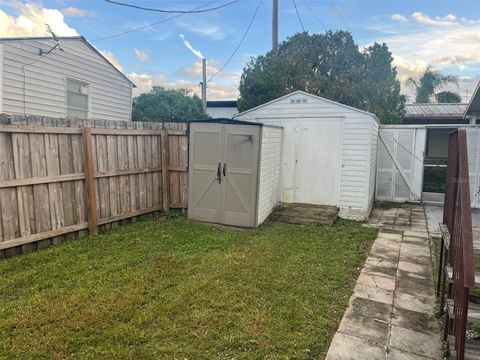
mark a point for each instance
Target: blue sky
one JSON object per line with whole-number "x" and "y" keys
{"x": 445, "y": 34}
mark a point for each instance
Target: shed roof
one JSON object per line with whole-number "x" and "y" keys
{"x": 474, "y": 104}
{"x": 311, "y": 95}
{"x": 435, "y": 110}
{"x": 11, "y": 39}
{"x": 222, "y": 104}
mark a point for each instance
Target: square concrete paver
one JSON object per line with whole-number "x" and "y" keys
{"x": 383, "y": 282}
{"x": 347, "y": 347}
{"x": 391, "y": 312}
{"x": 416, "y": 342}
{"x": 373, "y": 293}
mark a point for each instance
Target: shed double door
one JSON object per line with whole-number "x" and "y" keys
{"x": 223, "y": 173}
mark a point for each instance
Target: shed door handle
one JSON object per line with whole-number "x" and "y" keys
{"x": 224, "y": 169}
{"x": 219, "y": 174}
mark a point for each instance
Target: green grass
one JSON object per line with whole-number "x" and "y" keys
{"x": 183, "y": 290}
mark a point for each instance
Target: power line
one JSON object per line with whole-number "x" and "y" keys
{"x": 240, "y": 43}
{"x": 149, "y": 25}
{"x": 314, "y": 15}
{"x": 171, "y": 11}
{"x": 298, "y": 14}
{"x": 341, "y": 17}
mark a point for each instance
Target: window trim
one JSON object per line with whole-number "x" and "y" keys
{"x": 67, "y": 78}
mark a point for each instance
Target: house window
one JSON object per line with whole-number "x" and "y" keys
{"x": 77, "y": 99}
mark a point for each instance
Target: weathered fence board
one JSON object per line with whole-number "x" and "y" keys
{"x": 57, "y": 175}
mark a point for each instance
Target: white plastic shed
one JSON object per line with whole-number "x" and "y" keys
{"x": 329, "y": 151}
{"x": 234, "y": 171}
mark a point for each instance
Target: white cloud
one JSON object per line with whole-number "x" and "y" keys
{"x": 215, "y": 90}
{"x": 399, "y": 18}
{"x": 453, "y": 49}
{"x": 75, "y": 12}
{"x": 203, "y": 29}
{"x": 142, "y": 55}
{"x": 190, "y": 47}
{"x": 213, "y": 66}
{"x": 110, "y": 57}
{"x": 422, "y": 18}
{"x": 31, "y": 21}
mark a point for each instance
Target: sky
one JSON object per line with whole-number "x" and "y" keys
{"x": 443, "y": 34}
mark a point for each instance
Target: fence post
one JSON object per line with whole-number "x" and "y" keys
{"x": 90, "y": 181}
{"x": 165, "y": 172}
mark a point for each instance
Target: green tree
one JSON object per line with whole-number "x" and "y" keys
{"x": 448, "y": 97}
{"x": 329, "y": 65}
{"x": 167, "y": 105}
{"x": 427, "y": 83}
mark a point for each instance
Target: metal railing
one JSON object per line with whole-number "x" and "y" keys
{"x": 457, "y": 217}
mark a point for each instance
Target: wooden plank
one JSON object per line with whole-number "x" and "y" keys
{"x": 183, "y": 163}
{"x": 165, "y": 173}
{"x": 8, "y": 197}
{"x": 66, "y": 168}
{"x": 90, "y": 181}
{"x": 41, "y": 236}
{"x": 137, "y": 132}
{"x": 31, "y": 129}
{"x": 55, "y": 193}
{"x": 126, "y": 216}
{"x": 124, "y": 179}
{"x": 142, "y": 183}
{"x": 174, "y": 160}
{"x": 22, "y": 166}
{"x": 43, "y": 179}
{"x": 78, "y": 161}
{"x": 148, "y": 164}
{"x": 156, "y": 176}
{"x": 112, "y": 165}
{"x": 132, "y": 164}
{"x": 43, "y": 220}
{"x": 103, "y": 185}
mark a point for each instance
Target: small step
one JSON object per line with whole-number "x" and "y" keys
{"x": 472, "y": 348}
{"x": 473, "y": 311}
{"x": 296, "y": 213}
{"x": 449, "y": 272}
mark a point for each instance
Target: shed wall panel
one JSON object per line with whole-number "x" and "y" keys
{"x": 269, "y": 176}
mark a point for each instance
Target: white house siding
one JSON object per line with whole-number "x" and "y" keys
{"x": 354, "y": 194}
{"x": 45, "y": 80}
{"x": 269, "y": 174}
{"x": 221, "y": 112}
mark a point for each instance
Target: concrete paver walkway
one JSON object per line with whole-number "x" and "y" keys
{"x": 391, "y": 314}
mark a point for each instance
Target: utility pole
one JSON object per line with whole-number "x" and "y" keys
{"x": 274, "y": 24}
{"x": 204, "y": 85}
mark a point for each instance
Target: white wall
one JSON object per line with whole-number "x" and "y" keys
{"x": 269, "y": 174}
{"x": 221, "y": 112}
{"x": 354, "y": 191}
{"x": 45, "y": 80}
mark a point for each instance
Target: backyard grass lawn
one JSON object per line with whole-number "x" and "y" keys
{"x": 183, "y": 290}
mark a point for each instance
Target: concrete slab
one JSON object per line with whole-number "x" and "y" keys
{"x": 395, "y": 354}
{"x": 361, "y": 307}
{"x": 382, "y": 282}
{"x": 414, "y": 303}
{"x": 424, "y": 323}
{"x": 415, "y": 342}
{"x": 373, "y": 330}
{"x": 347, "y": 347}
{"x": 373, "y": 293}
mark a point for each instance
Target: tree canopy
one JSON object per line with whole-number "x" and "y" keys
{"x": 430, "y": 81}
{"x": 167, "y": 105}
{"x": 329, "y": 65}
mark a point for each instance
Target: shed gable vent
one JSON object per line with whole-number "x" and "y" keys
{"x": 298, "y": 101}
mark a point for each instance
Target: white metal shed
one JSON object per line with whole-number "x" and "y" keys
{"x": 234, "y": 171}
{"x": 329, "y": 151}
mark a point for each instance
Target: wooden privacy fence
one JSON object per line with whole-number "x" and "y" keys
{"x": 59, "y": 176}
